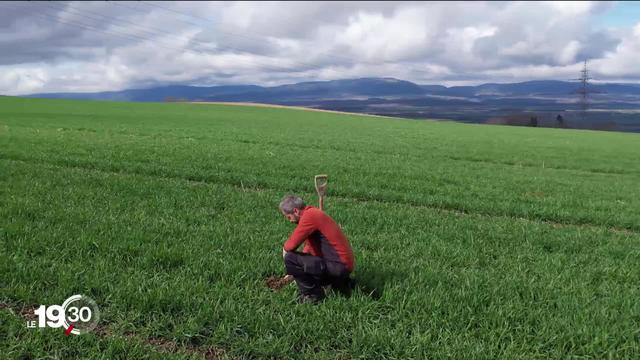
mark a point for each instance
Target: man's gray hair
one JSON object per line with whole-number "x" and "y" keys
{"x": 290, "y": 202}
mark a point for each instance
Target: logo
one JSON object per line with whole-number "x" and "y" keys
{"x": 78, "y": 315}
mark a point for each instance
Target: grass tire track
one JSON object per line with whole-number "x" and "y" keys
{"x": 444, "y": 209}
{"x": 378, "y": 153}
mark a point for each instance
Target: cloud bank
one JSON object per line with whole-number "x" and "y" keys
{"x": 96, "y": 46}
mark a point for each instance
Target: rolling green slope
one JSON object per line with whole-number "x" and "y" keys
{"x": 470, "y": 241}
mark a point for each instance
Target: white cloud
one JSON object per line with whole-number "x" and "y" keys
{"x": 24, "y": 80}
{"x": 374, "y": 37}
{"x": 572, "y": 8}
{"x": 137, "y": 44}
{"x": 569, "y": 53}
{"x": 623, "y": 61}
{"x": 536, "y": 72}
{"x": 467, "y": 36}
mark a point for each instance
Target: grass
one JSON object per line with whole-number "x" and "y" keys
{"x": 479, "y": 241}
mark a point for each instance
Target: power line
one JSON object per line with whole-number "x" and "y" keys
{"x": 218, "y": 46}
{"x": 207, "y": 21}
{"x": 136, "y": 37}
{"x": 69, "y": 9}
{"x": 195, "y": 17}
{"x": 122, "y": 4}
{"x": 80, "y": 24}
{"x": 154, "y": 32}
{"x": 259, "y": 37}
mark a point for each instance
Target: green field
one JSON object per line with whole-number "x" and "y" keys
{"x": 471, "y": 241}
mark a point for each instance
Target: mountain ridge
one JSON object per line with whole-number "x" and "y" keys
{"x": 360, "y": 88}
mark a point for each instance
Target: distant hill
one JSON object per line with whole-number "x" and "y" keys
{"x": 317, "y": 90}
{"x": 609, "y": 103}
{"x": 155, "y": 94}
{"x": 531, "y": 88}
{"x": 350, "y": 89}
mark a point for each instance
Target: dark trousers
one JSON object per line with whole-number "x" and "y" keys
{"x": 311, "y": 273}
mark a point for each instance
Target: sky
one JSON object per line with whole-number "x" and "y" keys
{"x": 104, "y": 46}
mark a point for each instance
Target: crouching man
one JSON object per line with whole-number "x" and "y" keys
{"x": 326, "y": 259}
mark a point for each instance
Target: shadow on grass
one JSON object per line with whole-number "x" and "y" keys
{"x": 368, "y": 281}
{"x": 371, "y": 281}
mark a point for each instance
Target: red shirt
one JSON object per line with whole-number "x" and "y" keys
{"x": 322, "y": 237}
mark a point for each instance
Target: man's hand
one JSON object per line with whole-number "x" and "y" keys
{"x": 287, "y": 278}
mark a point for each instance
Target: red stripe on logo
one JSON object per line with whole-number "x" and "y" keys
{"x": 68, "y": 331}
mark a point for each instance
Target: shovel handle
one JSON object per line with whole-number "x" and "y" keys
{"x": 321, "y": 187}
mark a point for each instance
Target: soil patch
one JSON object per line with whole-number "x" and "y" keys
{"x": 274, "y": 282}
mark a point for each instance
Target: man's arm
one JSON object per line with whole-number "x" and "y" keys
{"x": 305, "y": 228}
{"x": 307, "y": 248}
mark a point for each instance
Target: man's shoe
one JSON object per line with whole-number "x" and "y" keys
{"x": 310, "y": 299}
